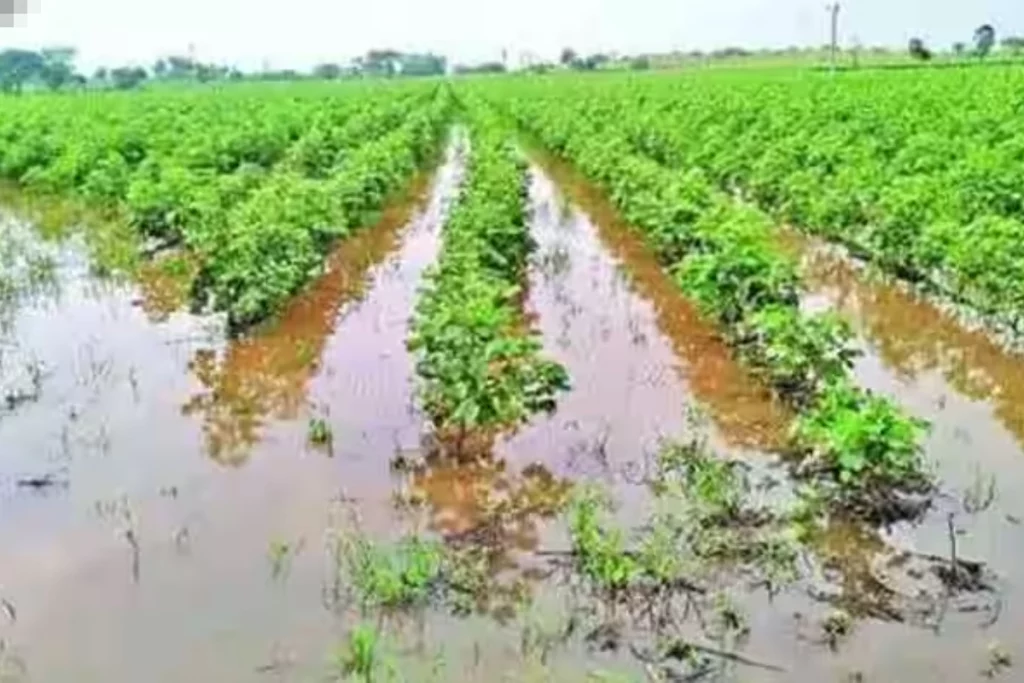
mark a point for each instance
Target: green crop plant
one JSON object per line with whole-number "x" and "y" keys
{"x": 257, "y": 184}
{"x": 862, "y": 437}
{"x": 914, "y": 171}
{"x": 722, "y": 252}
{"x": 480, "y": 367}
{"x": 600, "y": 551}
{"x": 320, "y": 434}
{"x": 400, "y": 575}
{"x": 362, "y": 658}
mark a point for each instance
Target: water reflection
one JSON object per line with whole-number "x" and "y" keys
{"x": 28, "y": 271}
{"x": 481, "y": 501}
{"x": 494, "y": 516}
{"x": 741, "y": 407}
{"x": 914, "y": 337}
{"x": 265, "y": 375}
{"x": 851, "y": 553}
{"x": 164, "y": 284}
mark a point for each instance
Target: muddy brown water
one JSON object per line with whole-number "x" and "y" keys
{"x": 969, "y": 388}
{"x": 179, "y": 458}
{"x": 610, "y": 314}
{"x": 183, "y": 538}
{"x": 640, "y": 356}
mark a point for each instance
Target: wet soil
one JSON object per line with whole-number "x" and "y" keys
{"x": 609, "y": 313}
{"x": 183, "y": 536}
{"x": 180, "y": 531}
{"x": 968, "y": 387}
{"x": 644, "y": 366}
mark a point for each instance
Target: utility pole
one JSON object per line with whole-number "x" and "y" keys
{"x": 834, "y": 11}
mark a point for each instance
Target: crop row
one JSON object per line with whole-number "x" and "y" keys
{"x": 479, "y": 365}
{"x": 722, "y": 253}
{"x": 256, "y": 184}
{"x": 920, "y": 174}
{"x": 258, "y": 253}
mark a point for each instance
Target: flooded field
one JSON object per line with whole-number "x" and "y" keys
{"x": 164, "y": 513}
{"x": 170, "y": 496}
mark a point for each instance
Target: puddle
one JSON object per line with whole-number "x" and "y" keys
{"x": 183, "y": 536}
{"x": 972, "y": 391}
{"x": 638, "y": 355}
{"x": 268, "y": 375}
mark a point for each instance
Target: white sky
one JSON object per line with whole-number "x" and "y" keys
{"x": 300, "y": 33}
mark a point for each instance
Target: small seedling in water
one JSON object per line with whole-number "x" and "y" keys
{"x": 361, "y": 657}
{"x": 600, "y": 550}
{"x": 981, "y": 493}
{"x": 281, "y": 554}
{"x": 320, "y": 434}
{"x": 836, "y": 626}
{"x": 391, "y": 575}
{"x": 998, "y": 660}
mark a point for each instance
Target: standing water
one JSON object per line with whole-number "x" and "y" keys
{"x": 164, "y": 512}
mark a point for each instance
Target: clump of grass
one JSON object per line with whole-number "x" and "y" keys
{"x": 320, "y": 435}
{"x": 704, "y": 523}
{"x": 836, "y": 627}
{"x": 412, "y": 573}
{"x": 403, "y": 574}
{"x": 600, "y": 551}
{"x": 280, "y": 555}
{"x": 361, "y": 658}
{"x": 714, "y": 485}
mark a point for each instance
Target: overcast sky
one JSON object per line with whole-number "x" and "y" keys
{"x": 300, "y": 33}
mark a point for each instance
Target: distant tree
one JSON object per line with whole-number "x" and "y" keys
{"x": 427, "y": 64}
{"x": 100, "y": 74}
{"x": 540, "y": 68}
{"x": 235, "y": 74}
{"x": 180, "y": 67}
{"x": 1014, "y": 44}
{"x": 19, "y": 66}
{"x": 58, "y": 67}
{"x": 160, "y": 68}
{"x": 379, "y": 62}
{"x": 731, "y": 52}
{"x": 959, "y": 48}
{"x": 127, "y": 77}
{"x": 590, "y": 63}
{"x": 326, "y": 71}
{"x": 642, "y": 63}
{"x": 568, "y": 57}
{"x": 485, "y": 68}
{"x": 205, "y": 73}
{"x": 984, "y": 40}
{"x": 917, "y": 50}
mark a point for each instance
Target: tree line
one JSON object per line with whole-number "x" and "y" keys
{"x": 983, "y": 40}
{"x": 54, "y": 69}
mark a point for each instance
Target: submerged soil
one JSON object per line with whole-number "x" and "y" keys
{"x": 164, "y": 516}
{"x": 182, "y": 535}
